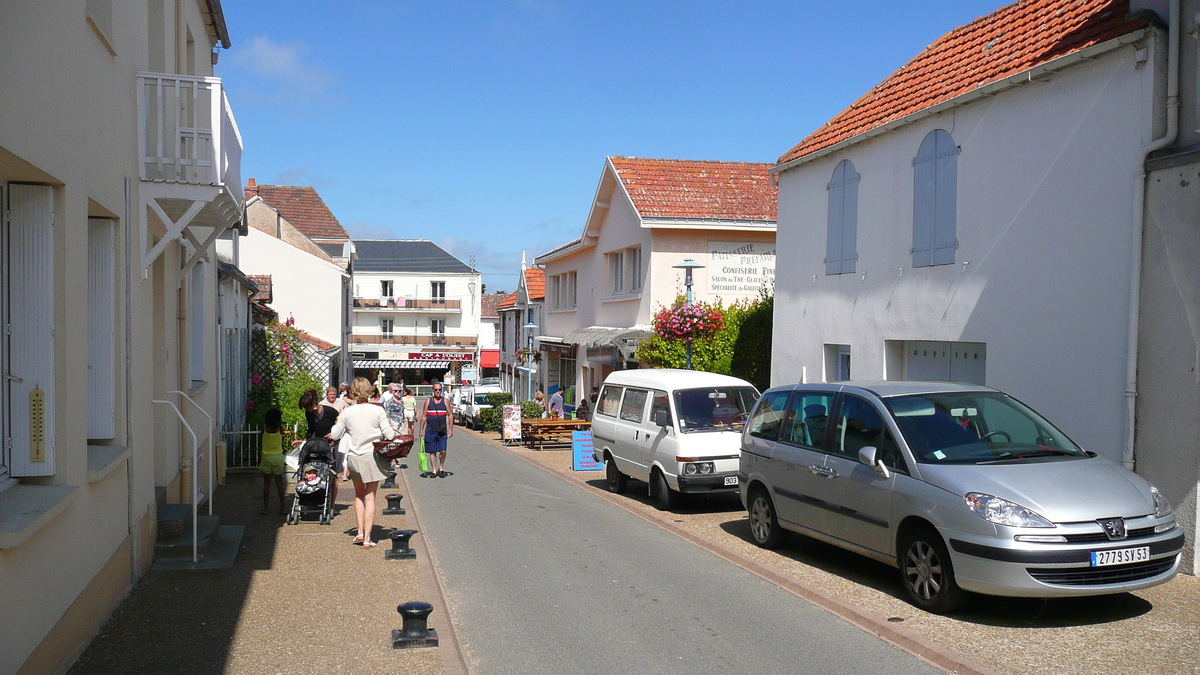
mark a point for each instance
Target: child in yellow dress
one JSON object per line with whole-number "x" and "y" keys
{"x": 272, "y": 464}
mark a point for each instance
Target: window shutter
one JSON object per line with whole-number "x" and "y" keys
{"x": 946, "y": 203}
{"x": 197, "y": 324}
{"x": 101, "y": 329}
{"x": 841, "y": 247}
{"x": 833, "y": 241}
{"x": 31, "y": 344}
{"x": 924, "y": 201}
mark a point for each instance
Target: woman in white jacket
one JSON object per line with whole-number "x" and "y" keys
{"x": 364, "y": 424}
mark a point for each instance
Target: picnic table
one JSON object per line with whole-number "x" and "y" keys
{"x": 549, "y": 430}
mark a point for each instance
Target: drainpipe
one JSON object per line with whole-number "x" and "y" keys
{"x": 1139, "y": 221}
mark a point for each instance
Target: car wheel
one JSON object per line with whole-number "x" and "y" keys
{"x": 927, "y": 572}
{"x": 764, "y": 526}
{"x": 615, "y": 480}
{"x": 664, "y": 497}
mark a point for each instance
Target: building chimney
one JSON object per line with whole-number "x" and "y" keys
{"x": 251, "y": 189}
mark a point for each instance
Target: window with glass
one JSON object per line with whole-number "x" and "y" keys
{"x": 572, "y": 288}
{"x": 660, "y": 402}
{"x": 556, "y": 291}
{"x": 616, "y": 272}
{"x": 385, "y": 289}
{"x": 387, "y": 327}
{"x": 860, "y": 425}
{"x": 978, "y": 428}
{"x": 610, "y": 401}
{"x": 635, "y": 269}
{"x": 566, "y": 379}
{"x": 634, "y": 405}
{"x": 438, "y": 292}
{"x": 807, "y": 418}
{"x": 769, "y": 415}
{"x": 437, "y": 326}
{"x": 714, "y": 408}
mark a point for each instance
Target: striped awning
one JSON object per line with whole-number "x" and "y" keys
{"x": 376, "y": 363}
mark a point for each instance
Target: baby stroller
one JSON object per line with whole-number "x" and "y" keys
{"x": 314, "y": 478}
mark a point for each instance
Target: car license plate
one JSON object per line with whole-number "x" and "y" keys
{"x": 731, "y": 480}
{"x": 1120, "y": 556}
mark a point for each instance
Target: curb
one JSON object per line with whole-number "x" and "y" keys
{"x": 914, "y": 644}
{"x": 454, "y": 661}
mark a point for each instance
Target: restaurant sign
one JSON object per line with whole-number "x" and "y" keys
{"x": 441, "y": 356}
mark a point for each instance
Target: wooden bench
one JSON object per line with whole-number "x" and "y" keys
{"x": 535, "y": 433}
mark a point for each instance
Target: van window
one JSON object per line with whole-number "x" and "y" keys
{"x": 660, "y": 402}
{"x": 767, "y": 417}
{"x": 860, "y": 425}
{"x": 714, "y": 408}
{"x": 634, "y": 405}
{"x": 806, "y": 419}
{"x": 610, "y": 401}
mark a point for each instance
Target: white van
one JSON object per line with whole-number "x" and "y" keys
{"x": 475, "y": 403}
{"x": 677, "y": 430}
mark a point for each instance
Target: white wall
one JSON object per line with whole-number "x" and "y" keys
{"x": 302, "y": 285}
{"x": 1042, "y": 272}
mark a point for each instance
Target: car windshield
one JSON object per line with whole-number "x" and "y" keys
{"x": 978, "y": 428}
{"x": 482, "y": 399}
{"x": 714, "y": 408}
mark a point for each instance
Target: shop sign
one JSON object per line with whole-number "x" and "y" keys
{"x": 441, "y": 356}
{"x": 601, "y": 352}
{"x": 511, "y": 426}
{"x": 740, "y": 268}
{"x": 559, "y": 349}
{"x": 582, "y": 454}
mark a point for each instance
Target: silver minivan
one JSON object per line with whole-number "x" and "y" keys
{"x": 961, "y": 487}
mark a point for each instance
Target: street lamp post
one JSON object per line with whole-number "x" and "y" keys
{"x": 530, "y": 327}
{"x": 687, "y": 266}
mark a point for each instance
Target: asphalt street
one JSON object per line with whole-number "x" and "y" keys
{"x": 543, "y": 577}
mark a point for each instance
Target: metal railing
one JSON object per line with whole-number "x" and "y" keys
{"x": 208, "y": 472}
{"x": 243, "y": 448}
{"x": 408, "y": 303}
{"x": 394, "y": 339}
{"x": 195, "y": 478}
{"x": 186, "y": 131}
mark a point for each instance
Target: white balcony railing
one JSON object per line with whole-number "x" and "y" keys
{"x": 186, "y": 132}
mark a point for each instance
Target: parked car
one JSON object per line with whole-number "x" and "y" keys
{"x": 961, "y": 487}
{"x": 678, "y": 430}
{"x": 489, "y": 382}
{"x": 475, "y": 404}
{"x": 458, "y": 401}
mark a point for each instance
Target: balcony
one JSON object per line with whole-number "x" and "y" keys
{"x": 408, "y": 304}
{"x": 190, "y": 157}
{"x": 443, "y": 340}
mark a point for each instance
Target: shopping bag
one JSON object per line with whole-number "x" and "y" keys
{"x": 423, "y": 458}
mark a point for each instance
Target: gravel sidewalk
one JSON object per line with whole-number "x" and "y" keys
{"x": 1157, "y": 630}
{"x": 299, "y": 599}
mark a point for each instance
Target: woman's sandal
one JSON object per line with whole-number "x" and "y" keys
{"x": 359, "y": 539}
{"x": 369, "y": 544}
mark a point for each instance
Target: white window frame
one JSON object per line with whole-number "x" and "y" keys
{"x": 387, "y": 328}
{"x": 616, "y": 273}
{"x": 573, "y": 288}
{"x": 387, "y": 289}
{"x": 197, "y": 326}
{"x": 437, "y": 292}
{"x": 556, "y": 290}
{"x": 435, "y": 324}
{"x": 102, "y": 328}
{"x": 635, "y": 269}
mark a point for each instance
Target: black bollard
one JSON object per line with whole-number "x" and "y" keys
{"x": 400, "y": 549}
{"x": 415, "y": 633}
{"x": 390, "y": 480}
{"x": 393, "y": 507}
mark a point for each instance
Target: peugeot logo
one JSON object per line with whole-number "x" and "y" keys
{"x": 1114, "y": 528}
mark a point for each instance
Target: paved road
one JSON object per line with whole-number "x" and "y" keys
{"x": 543, "y": 577}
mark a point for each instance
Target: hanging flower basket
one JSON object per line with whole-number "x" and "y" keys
{"x": 688, "y": 322}
{"x": 525, "y": 355}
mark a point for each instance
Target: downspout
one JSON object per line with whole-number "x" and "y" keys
{"x": 1139, "y": 222}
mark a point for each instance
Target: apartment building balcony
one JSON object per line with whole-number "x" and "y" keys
{"x": 395, "y": 339}
{"x": 409, "y": 305}
{"x": 190, "y": 156}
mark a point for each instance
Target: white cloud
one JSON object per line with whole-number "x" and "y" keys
{"x": 283, "y": 69}
{"x": 364, "y": 230}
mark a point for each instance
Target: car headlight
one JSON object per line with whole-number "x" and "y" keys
{"x": 706, "y": 467}
{"x": 1162, "y": 507}
{"x": 1004, "y": 512}
{"x": 689, "y": 469}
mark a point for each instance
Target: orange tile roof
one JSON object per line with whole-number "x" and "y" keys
{"x": 302, "y": 207}
{"x": 1010, "y": 40}
{"x": 677, "y": 188}
{"x": 509, "y": 302}
{"x": 535, "y": 283}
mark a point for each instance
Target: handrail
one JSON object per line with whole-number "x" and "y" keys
{"x": 211, "y": 447}
{"x": 195, "y": 481}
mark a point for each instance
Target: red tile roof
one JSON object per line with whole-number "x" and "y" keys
{"x": 491, "y": 301}
{"x": 263, "y": 281}
{"x": 508, "y": 302}
{"x": 302, "y": 207}
{"x": 535, "y": 283}
{"x": 1010, "y": 40}
{"x": 677, "y": 188}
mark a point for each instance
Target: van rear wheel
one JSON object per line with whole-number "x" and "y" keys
{"x": 764, "y": 526}
{"x": 614, "y": 479}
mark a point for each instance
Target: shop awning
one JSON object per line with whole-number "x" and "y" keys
{"x": 489, "y": 358}
{"x": 625, "y": 340}
{"x": 376, "y": 363}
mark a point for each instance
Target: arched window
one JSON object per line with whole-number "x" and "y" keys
{"x": 841, "y": 246}
{"x": 935, "y": 200}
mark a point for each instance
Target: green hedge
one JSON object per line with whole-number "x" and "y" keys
{"x": 493, "y": 418}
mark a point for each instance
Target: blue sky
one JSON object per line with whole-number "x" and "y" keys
{"x": 484, "y": 125}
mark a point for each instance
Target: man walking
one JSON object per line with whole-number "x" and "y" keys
{"x": 436, "y": 426}
{"x": 555, "y": 406}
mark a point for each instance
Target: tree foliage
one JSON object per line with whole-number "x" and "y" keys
{"x": 726, "y": 352}
{"x": 280, "y": 378}
{"x": 752, "y": 348}
{"x": 492, "y": 418}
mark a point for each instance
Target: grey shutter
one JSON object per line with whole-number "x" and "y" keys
{"x": 946, "y": 202}
{"x": 924, "y": 201}
{"x": 841, "y": 247}
{"x": 101, "y": 328}
{"x": 197, "y": 323}
{"x": 31, "y": 317}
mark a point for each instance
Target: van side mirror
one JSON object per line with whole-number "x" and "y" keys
{"x": 662, "y": 418}
{"x": 867, "y": 455}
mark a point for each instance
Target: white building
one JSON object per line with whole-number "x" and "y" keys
{"x": 983, "y": 232}
{"x": 648, "y": 215}
{"x": 110, "y": 288}
{"x": 416, "y": 313}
